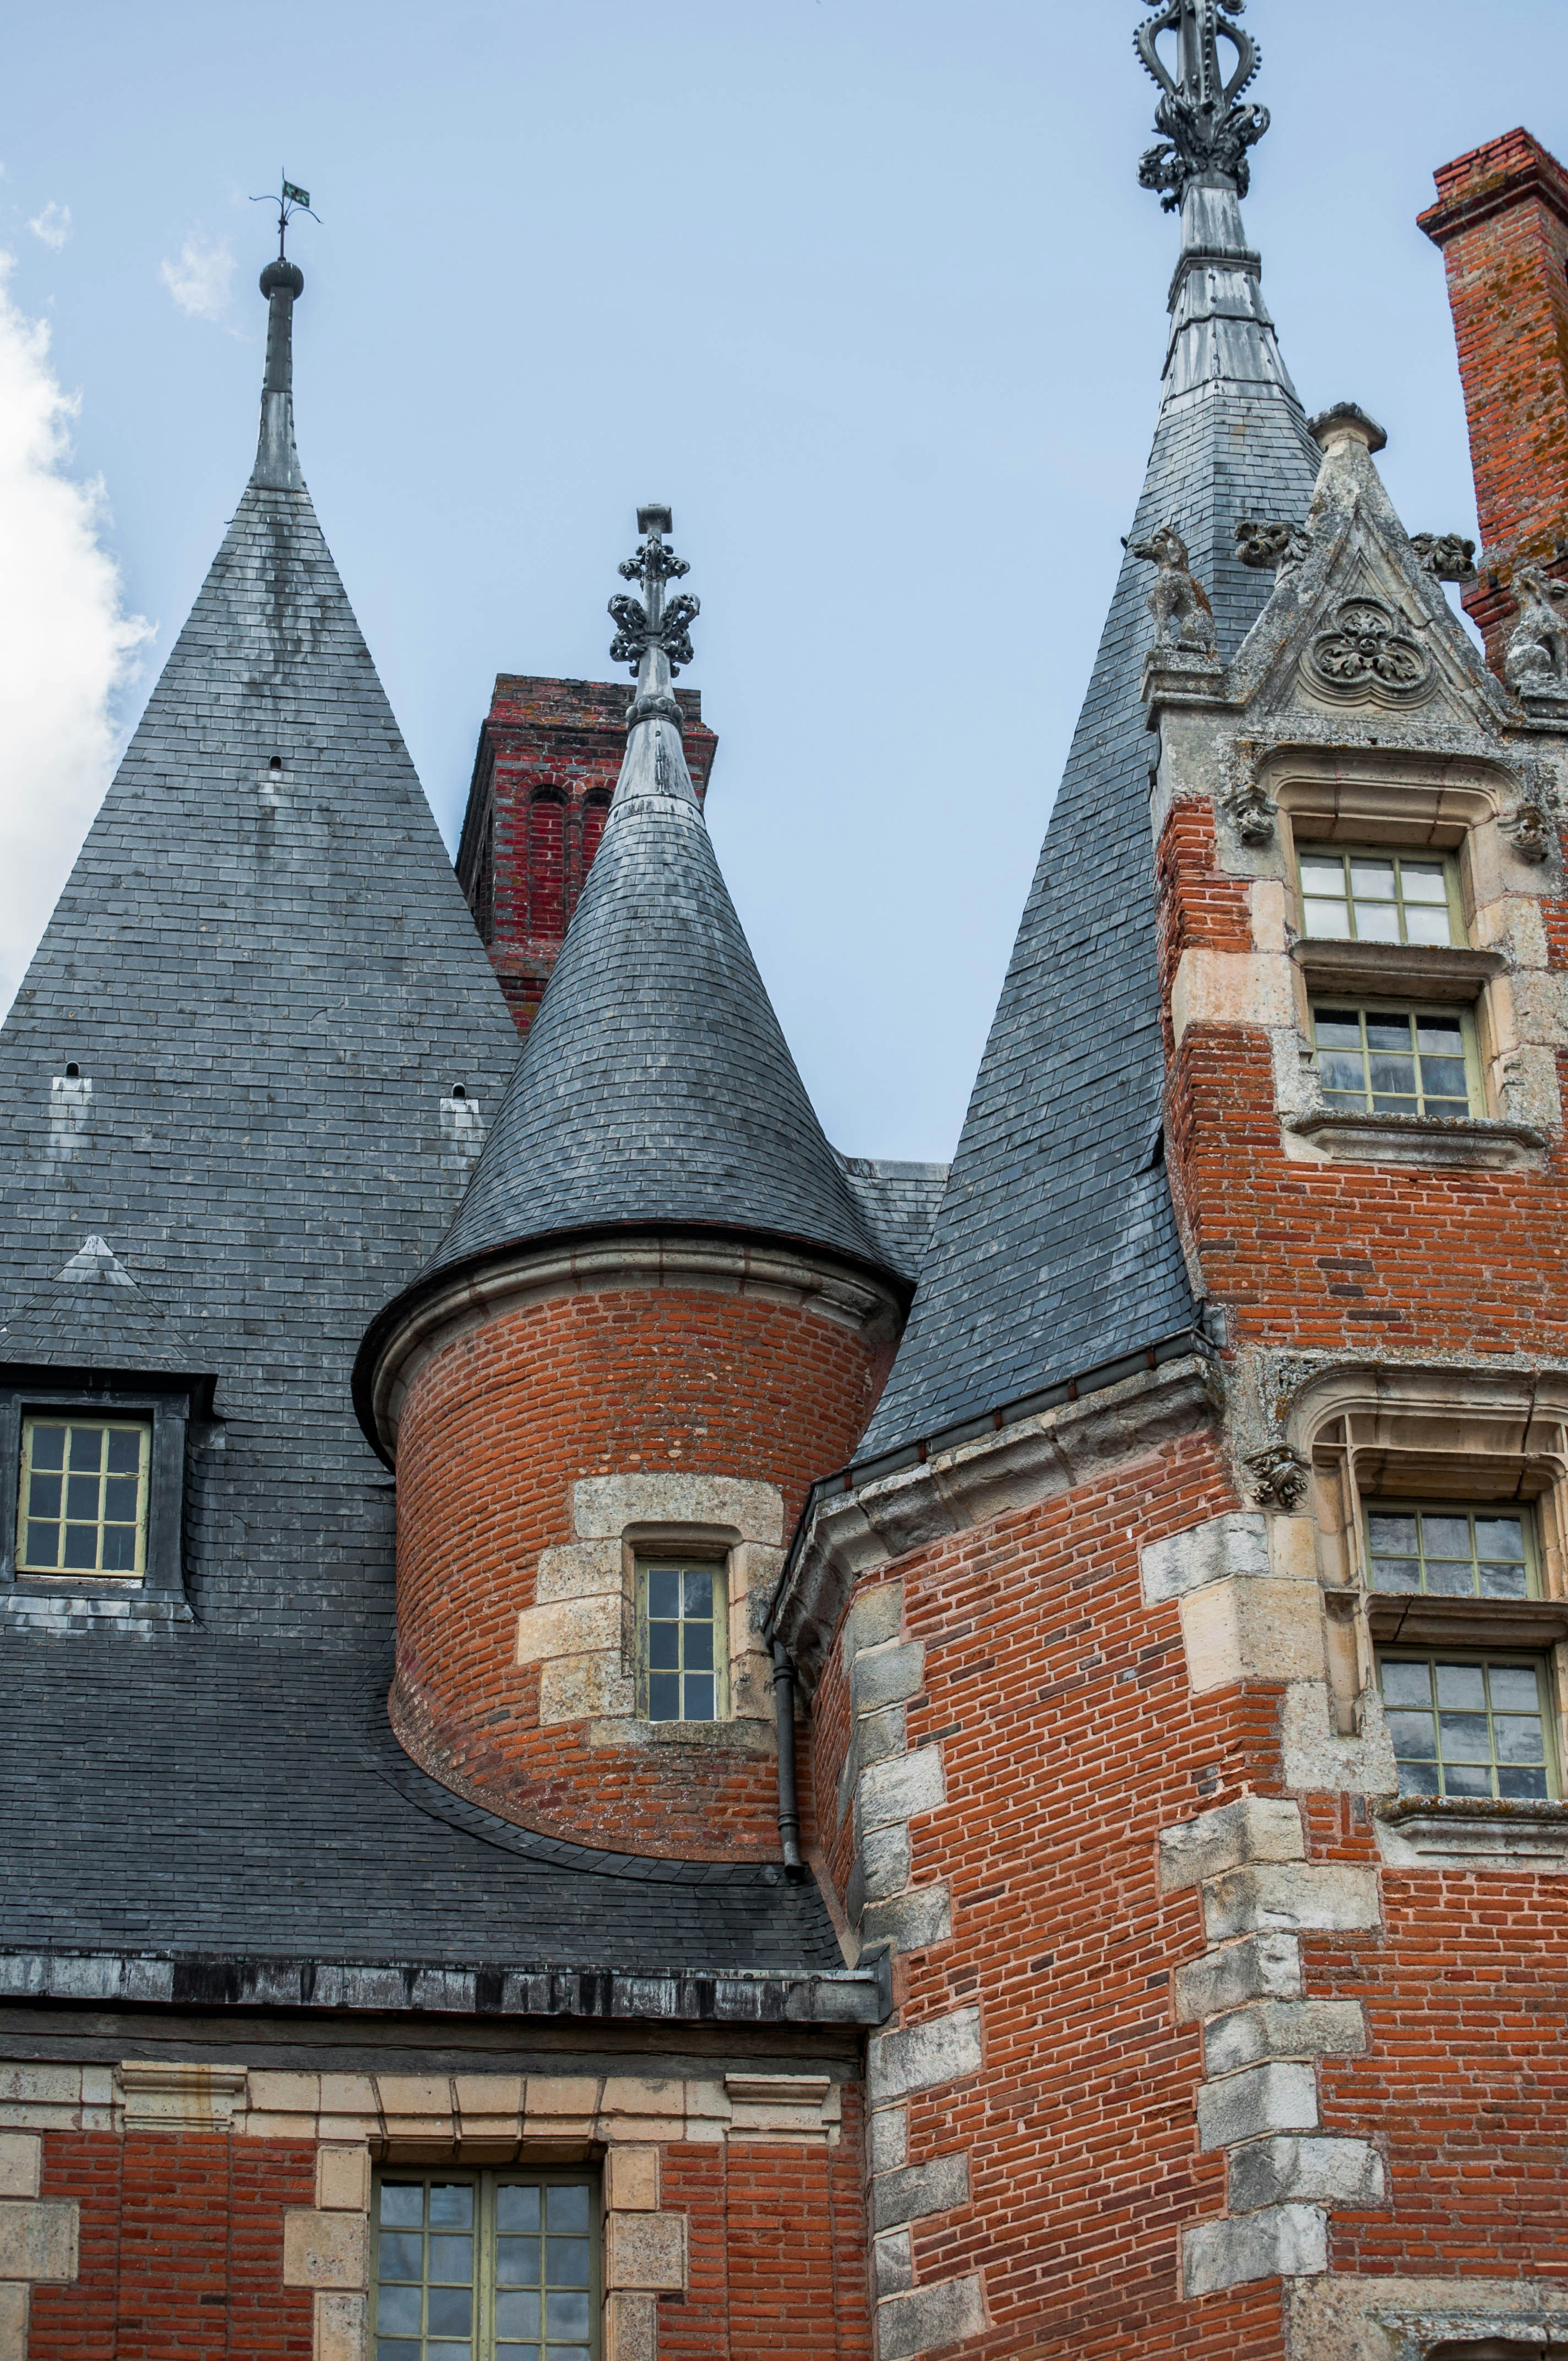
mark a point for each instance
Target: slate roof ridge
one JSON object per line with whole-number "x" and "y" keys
{"x": 1055, "y": 1244}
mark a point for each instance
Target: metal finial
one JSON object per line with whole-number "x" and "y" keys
{"x": 291, "y": 201}
{"x": 1202, "y": 126}
{"x": 652, "y": 626}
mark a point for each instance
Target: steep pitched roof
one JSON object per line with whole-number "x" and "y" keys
{"x": 230, "y": 1057}
{"x": 656, "y": 1085}
{"x": 1056, "y": 1249}
{"x": 93, "y": 1315}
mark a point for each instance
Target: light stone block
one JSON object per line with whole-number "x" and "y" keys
{"x": 1285, "y": 2028}
{"x": 1237, "y": 1544}
{"x": 284, "y": 2094}
{"x": 604, "y": 1506}
{"x": 584, "y": 1688}
{"x": 21, "y": 2164}
{"x": 1255, "y": 1828}
{"x": 884, "y": 1865}
{"x": 921, "y": 2056}
{"x": 944, "y": 2314}
{"x": 489, "y": 2105}
{"x": 1286, "y": 2242}
{"x": 1302, "y": 2171}
{"x": 561, "y": 2106}
{"x": 46, "y": 2086}
{"x": 632, "y": 2180}
{"x": 341, "y": 2327}
{"x": 893, "y": 2262}
{"x": 645, "y": 2250}
{"x": 1259, "y": 1630}
{"x": 571, "y": 1627}
{"x": 326, "y": 2251}
{"x": 899, "y": 1788}
{"x": 14, "y": 2308}
{"x": 1326, "y": 1897}
{"x": 343, "y": 2180}
{"x": 890, "y": 2140}
{"x": 875, "y": 1616}
{"x": 919, "y": 2189}
{"x": 631, "y": 2326}
{"x": 881, "y": 1676}
{"x": 1251, "y": 989}
{"x": 1260, "y": 1967}
{"x": 1276, "y": 2098}
{"x": 38, "y": 2238}
{"x": 579, "y": 1570}
{"x": 638, "y": 2094}
{"x": 913, "y": 1919}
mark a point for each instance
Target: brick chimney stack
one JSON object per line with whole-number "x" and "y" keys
{"x": 1501, "y": 219}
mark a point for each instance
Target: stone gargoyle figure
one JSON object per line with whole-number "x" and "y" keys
{"x": 1536, "y": 664}
{"x": 1184, "y": 620}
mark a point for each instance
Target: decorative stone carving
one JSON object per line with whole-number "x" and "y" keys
{"x": 1184, "y": 620}
{"x": 1265, "y": 541}
{"x": 1536, "y": 664}
{"x": 1202, "y": 126}
{"x": 1279, "y": 1476}
{"x": 1252, "y": 813}
{"x": 1367, "y": 657}
{"x": 1529, "y": 830}
{"x": 1447, "y": 554}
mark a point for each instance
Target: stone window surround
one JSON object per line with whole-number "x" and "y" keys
{"x": 1420, "y": 802}
{"x": 1344, "y": 2317}
{"x": 619, "y": 2123}
{"x": 582, "y": 1630}
{"x": 74, "y": 1600}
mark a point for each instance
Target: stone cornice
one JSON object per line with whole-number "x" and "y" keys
{"x": 425, "y": 1320}
{"x": 850, "y": 1533}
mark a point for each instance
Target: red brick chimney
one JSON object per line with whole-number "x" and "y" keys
{"x": 548, "y": 760}
{"x": 1501, "y": 219}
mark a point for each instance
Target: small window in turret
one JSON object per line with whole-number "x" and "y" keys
{"x": 682, "y": 1646}
{"x": 1379, "y": 896}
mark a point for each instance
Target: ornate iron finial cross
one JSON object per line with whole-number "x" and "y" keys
{"x": 1202, "y": 125}
{"x": 653, "y": 621}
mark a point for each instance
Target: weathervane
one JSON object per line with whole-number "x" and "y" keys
{"x": 293, "y": 200}
{"x": 653, "y": 633}
{"x": 1202, "y": 127}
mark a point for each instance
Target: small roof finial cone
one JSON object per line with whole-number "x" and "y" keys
{"x": 277, "y": 460}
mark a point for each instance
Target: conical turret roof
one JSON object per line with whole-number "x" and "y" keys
{"x": 1055, "y": 1250}
{"x": 656, "y": 1085}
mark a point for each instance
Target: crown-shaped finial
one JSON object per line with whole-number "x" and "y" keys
{"x": 653, "y": 632}
{"x": 1202, "y": 126}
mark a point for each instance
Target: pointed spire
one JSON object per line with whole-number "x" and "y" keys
{"x": 277, "y": 461}
{"x": 653, "y": 636}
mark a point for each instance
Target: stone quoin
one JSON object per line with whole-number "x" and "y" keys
{"x": 629, "y": 1738}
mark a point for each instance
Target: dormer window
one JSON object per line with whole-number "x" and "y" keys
{"x": 1378, "y": 897}
{"x": 84, "y": 1497}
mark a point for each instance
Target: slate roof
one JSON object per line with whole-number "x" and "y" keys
{"x": 228, "y": 1059}
{"x": 656, "y": 1085}
{"x": 93, "y": 1315}
{"x": 1055, "y": 1249}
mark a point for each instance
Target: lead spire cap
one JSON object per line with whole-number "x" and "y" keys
{"x": 1205, "y": 130}
{"x": 283, "y": 282}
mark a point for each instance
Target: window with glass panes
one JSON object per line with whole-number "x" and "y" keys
{"x": 1451, "y": 1550}
{"x": 683, "y": 1652}
{"x": 1378, "y": 897}
{"x": 1394, "y": 1061}
{"x": 485, "y": 2267}
{"x": 1477, "y": 1725}
{"x": 83, "y": 1501}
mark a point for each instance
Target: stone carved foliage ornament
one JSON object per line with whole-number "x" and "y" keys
{"x": 1252, "y": 813}
{"x": 1265, "y": 541}
{"x": 1279, "y": 1476}
{"x": 1367, "y": 657}
{"x": 654, "y": 620}
{"x": 1184, "y": 620}
{"x": 1447, "y": 554}
{"x": 1202, "y": 126}
{"x": 1529, "y": 830}
{"x": 1536, "y": 664}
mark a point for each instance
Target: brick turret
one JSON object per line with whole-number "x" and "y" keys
{"x": 545, "y": 769}
{"x": 1501, "y": 219}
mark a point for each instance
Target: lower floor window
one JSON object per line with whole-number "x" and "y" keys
{"x": 1394, "y": 1061}
{"x": 485, "y": 2267}
{"x": 1470, "y": 1725}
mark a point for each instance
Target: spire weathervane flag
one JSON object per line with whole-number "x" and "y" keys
{"x": 293, "y": 200}
{"x": 1203, "y": 126}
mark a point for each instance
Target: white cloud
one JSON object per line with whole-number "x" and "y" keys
{"x": 202, "y": 279}
{"x": 66, "y": 643}
{"x": 53, "y": 225}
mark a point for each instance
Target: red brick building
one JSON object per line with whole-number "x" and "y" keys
{"x": 626, "y": 1737}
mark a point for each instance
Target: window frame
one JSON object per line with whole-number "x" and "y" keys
{"x": 648, "y": 1561}
{"x": 487, "y": 2180}
{"x": 1538, "y": 1659}
{"x": 1413, "y": 1008}
{"x": 71, "y": 1421}
{"x": 169, "y": 1408}
{"x": 1308, "y": 848}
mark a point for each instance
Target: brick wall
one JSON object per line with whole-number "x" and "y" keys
{"x": 1501, "y": 219}
{"x": 548, "y": 759}
{"x": 496, "y": 1432}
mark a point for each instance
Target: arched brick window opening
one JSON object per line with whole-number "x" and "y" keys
{"x": 548, "y": 866}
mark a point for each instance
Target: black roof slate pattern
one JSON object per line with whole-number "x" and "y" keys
{"x": 1056, "y": 1247}
{"x": 656, "y": 1085}
{"x": 269, "y": 980}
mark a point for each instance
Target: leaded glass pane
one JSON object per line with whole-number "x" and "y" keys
{"x": 683, "y": 1642}
{"x": 1376, "y": 897}
{"x": 84, "y": 1492}
{"x": 1471, "y": 1726}
{"x": 1450, "y": 1550}
{"x": 485, "y": 2268}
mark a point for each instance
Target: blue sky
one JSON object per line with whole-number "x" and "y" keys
{"x": 867, "y": 291}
